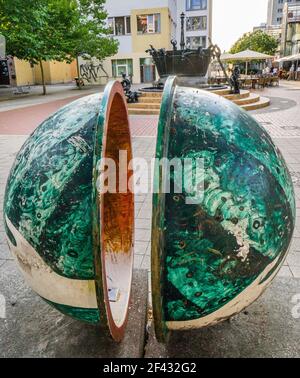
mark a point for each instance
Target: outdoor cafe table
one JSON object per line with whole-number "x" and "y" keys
{"x": 254, "y": 80}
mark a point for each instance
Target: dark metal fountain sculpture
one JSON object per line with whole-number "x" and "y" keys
{"x": 131, "y": 96}
{"x": 182, "y": 63}
{"x": 189, "y": 65}
{"x": 234, "y": 81}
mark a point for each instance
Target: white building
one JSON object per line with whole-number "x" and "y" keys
{"x": 138, "y": 23}
{"x": 198, "y": 25}
{"x": 290, "y": 39}
{"x": 275, "y": 10}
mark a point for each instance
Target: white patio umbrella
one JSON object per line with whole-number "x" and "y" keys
{"x": 226, "y": 56}
{"x": 248, "y": 55}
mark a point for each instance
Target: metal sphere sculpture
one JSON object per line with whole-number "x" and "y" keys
{"x": 210, "y": 258}
{"x": 73, "y": 245}
{"x": 213, "y": 258}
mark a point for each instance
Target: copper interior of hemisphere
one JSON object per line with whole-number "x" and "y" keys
{"x": 118, "y": 220}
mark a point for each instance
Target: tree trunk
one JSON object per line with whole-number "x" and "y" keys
{"x": 43, "y": 78}
{"x": 78, "y": 68}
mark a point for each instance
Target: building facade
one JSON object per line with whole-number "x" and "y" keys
{"x": 16, "y": 72}
{"x": 290, "y": 39}
{"x": 137, "y": 24}
{"x": 275, "y": 10}
{"x": 198, "y": 23}
{"x": 262, "y": 27}
{"x": 272, "y": 30}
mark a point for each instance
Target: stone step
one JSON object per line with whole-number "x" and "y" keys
{"x": 262, "y": 103}
{"x": 139, "y": 111}
{"x": 148, "y": 97}
{"x": 151, "y": 94}
{"x": 244, "y": 93}
{"x": 253, "y": 98}
{"x": 221, "y": 92}
{"x": 149, "y": 103}
{"x": 144, "y": 105}
{"x": 154, "y": 100}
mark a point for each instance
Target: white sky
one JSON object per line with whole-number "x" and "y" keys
{"x": 233, "y": 18}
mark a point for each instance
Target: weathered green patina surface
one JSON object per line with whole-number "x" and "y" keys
{"x": 213, "y": 258}
{"x": 54, "y": 212}
{"x": 49, "y": 193}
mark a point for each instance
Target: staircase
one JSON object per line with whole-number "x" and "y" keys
{"x": 149, "y": 103}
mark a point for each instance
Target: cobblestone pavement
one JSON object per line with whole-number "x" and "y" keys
{"x": 283, "y": 125}
{"x": 10, "y": 101}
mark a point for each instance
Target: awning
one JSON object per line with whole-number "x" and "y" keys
{"x": 289, "y": 58}
{"x": 226, "y": 56}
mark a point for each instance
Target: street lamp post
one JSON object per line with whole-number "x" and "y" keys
{"x": 182, "y": 40}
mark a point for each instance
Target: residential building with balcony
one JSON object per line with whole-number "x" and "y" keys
{"x": 137, "y": 24}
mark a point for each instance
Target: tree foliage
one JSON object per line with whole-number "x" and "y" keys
{"x": 256, "y": 41}
{"x": 92, "y": 32}
{"x": 44, "y": 30}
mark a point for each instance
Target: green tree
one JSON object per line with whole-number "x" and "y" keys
{"x": 256, "y": 41}
{"x": 44, "y": 30}
{"x": 92, "y": 32}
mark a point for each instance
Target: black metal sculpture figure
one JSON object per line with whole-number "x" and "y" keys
{"x": 234, "y": 81}
{"x": 132, "y": 96}
{"x": 174, "y": 44}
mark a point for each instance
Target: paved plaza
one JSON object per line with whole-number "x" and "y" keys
{"x": 282, "y": 120}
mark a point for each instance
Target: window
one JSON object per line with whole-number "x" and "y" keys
{"x": 192, "y": 5}
{"x": 196, "y": 42}
{"x": 148, "y": 23}
{"x": 128, "y": 25}
{"x": 119, "y": 25}
{"x": 111, "y": 25}
{"x": 196, "y": 23}
{"x": 120, "y": 66}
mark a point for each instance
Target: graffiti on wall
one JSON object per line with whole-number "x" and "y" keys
{"x": 91, "y": 72}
